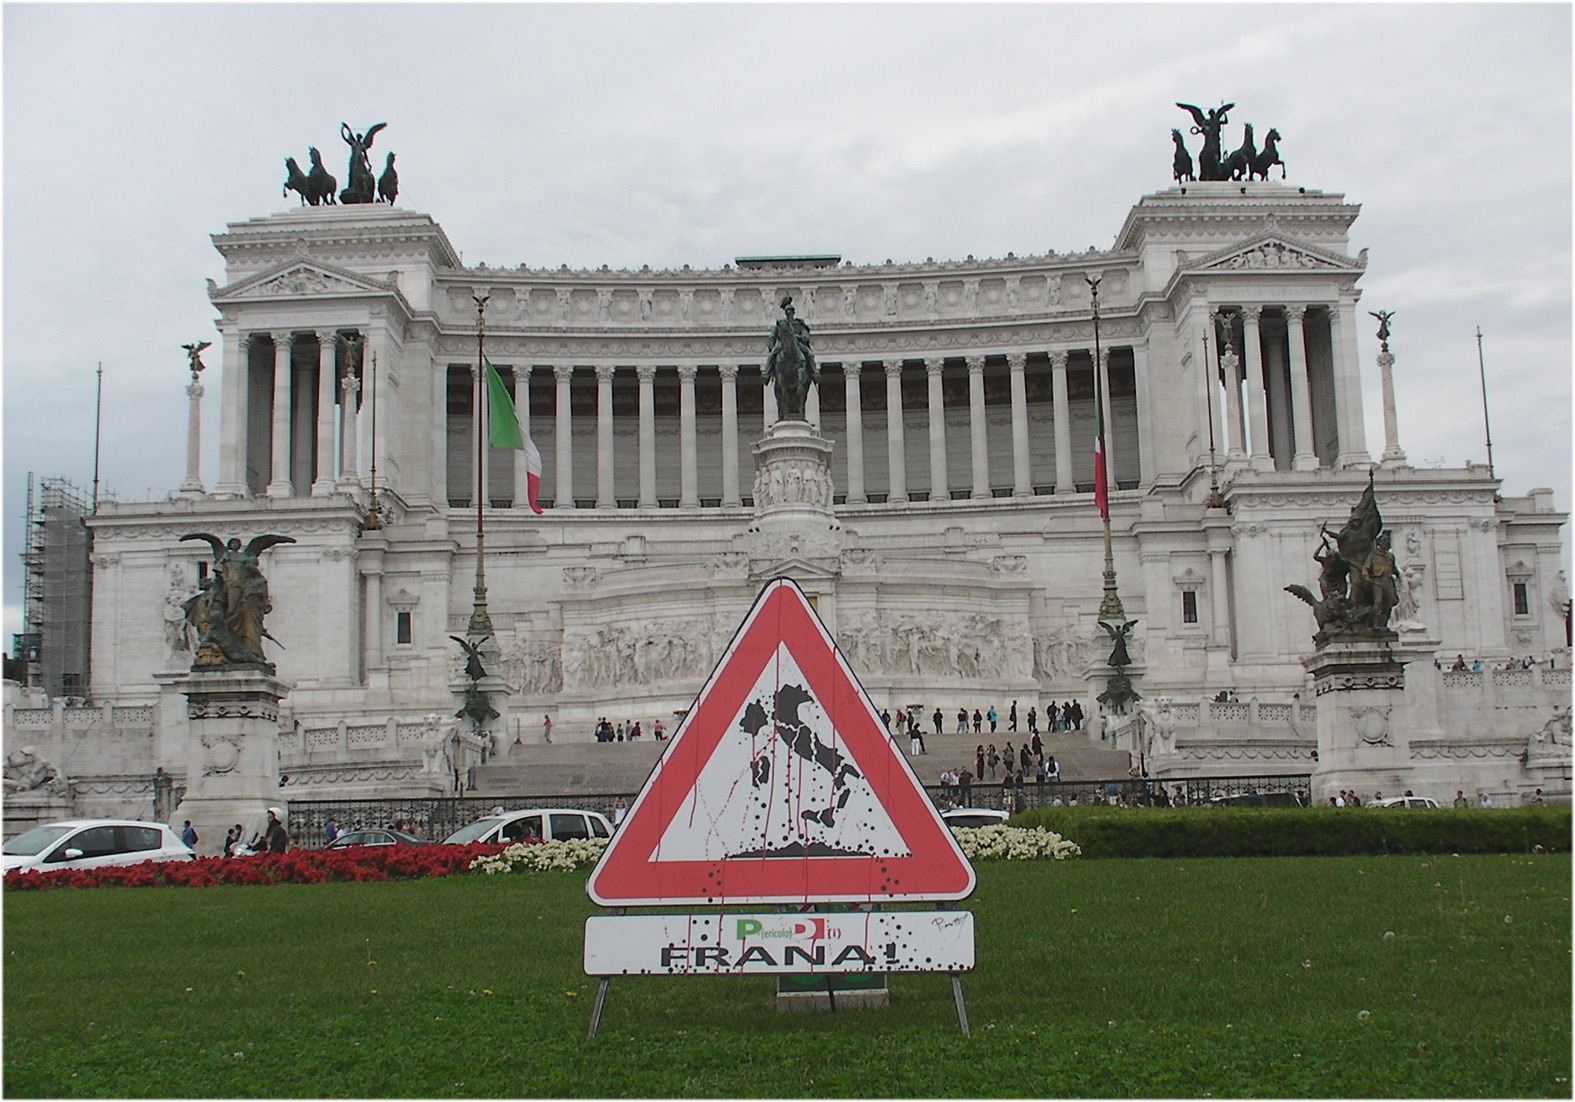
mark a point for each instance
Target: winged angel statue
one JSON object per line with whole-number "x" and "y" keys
{"x": 228, "y": 608}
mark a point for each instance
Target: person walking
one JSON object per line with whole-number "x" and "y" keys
{"x": 275, "y": 838}
{"x": 1011, "y": 717}
{"x": 188, "y": 834}
{"x": 937, "y": 719}
{"x": 990, "y": 715}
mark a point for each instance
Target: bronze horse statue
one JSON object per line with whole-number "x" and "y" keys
{"x": 1268, "y": 157}
{"x": 295, "y": 180}
{"x": 322, "y": 184}
{"x": 1238, "y": 166}
{"x": 315, "y": 187}
{"x": 1181, "y": 166}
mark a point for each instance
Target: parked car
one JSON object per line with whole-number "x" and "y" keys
{"x": 1407, "y": 801}
{"x": 549, "y": 824}
{"x": 377, "y": 836}
{"x": 959, "y": 817}
{"x": 92, "y": 844}
{"x": 1258, "y": 799}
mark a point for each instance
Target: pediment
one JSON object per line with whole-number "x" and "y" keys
{"x": 300, "y": 278}
{"x": 798, "y": 567}
{"x": 1271, "y": 252}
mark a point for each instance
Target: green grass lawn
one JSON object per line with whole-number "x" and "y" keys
{"x": 1115, "y": 978}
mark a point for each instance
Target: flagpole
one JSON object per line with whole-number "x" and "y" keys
{"x": 1110, "y": 606}
{"x": 1487, "y": 428}
{"x": 374, "y": 518}
{"x": 98, "y": 421}
{"x": 480, "y": 621}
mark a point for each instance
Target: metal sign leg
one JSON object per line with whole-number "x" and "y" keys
{"x": 957, "y": 997}
{"x": 601, "y": 998}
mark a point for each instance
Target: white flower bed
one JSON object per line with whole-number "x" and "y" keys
{"x": 1009, "y": 843}
{"x": 541, "y": 856}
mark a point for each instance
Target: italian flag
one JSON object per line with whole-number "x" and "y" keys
{"x": 505, "y": 431}
{"x": 1101, "y": 483}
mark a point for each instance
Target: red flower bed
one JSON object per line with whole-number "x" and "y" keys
{"x": 303, "y": 866}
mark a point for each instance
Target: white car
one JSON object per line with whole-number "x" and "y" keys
{"x": 92, "y": 844}
{"x": 544, "y": 824}
{"x": 1407, "y": 801}
{"x": 961, "y": 817}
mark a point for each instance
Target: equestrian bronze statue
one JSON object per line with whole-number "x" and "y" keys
{"x": 790, "y": 363}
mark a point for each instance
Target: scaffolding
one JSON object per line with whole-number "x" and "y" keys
{"x": 57, "y": 590}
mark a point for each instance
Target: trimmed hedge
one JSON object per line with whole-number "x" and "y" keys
{"x": 1302, "y": 832}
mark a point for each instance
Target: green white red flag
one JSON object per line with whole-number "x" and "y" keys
{"x": 505, "y": 431}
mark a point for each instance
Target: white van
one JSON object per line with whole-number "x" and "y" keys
{"x": 549, "y": 824}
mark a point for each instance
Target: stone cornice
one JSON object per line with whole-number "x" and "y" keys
{"x": 360, "y": 232}
{"x": 1226, "y": 209}
{"x": 505, "y": 345}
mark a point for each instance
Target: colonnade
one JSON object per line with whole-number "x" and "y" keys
{"x": 327, "y": 446}
{"x": 565, "y": 479}
{"x": 1269, "y": 355}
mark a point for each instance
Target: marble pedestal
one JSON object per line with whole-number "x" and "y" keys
{"x": 232, "y": 725}
{"x": 494, "y": 739}
{"x": 1367, "y": 716}
{"x": 794, "y": 519}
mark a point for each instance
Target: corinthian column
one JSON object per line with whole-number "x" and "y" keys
{"x": 1347, "y": 387}
{"x": 934, "y": 368}
{"x": 688, "y": 446}
{"x": 854, "y": 401}
{"x": 279, "y": 485}
{"x": 1257, "y": 397}
{"x": 1022, "y": 480}
{"x": 604, "y": 437}
{"x": 646, "y": 374}
{"x": 323, "y": 484}
{"x": 1061, "y": 410}
{"x": 976, "y": 427}
{"x": 1230, "y": 362}
{"x": 896, "y": 456}
{"x": 563, "y": 477}
{"x": 729, "y": 376}
{"x": 191, "y": 486}
{"x": 1304, "y": 457}
{"x": 349, "y": 476}
{"x": 233, "y": 428}
{"x": 1393, "y": 456}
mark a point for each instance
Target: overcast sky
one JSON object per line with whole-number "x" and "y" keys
{"x": 593, "y": 134}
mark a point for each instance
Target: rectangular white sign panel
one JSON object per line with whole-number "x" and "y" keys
{"x": 738, "y": 943}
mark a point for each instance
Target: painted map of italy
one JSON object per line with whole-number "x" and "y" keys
{"x": 779, "y": 784}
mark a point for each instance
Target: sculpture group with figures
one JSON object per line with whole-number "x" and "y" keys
{"x": 1245, "y": 162}
{"x": 477, "y": 707}
{"x": 316, "y": 187}
{"x": 790, "y": 363}
{"x": 1358, "y": 581}
{"x": 226, "y": 613}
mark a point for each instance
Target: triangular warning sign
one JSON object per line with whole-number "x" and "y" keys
{"x": 781, "y": 785}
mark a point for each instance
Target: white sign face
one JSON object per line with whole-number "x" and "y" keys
{"x": 780, "y": 787}
{"x": 740, "y": 943}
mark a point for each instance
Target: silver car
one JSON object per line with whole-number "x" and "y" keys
{"x": 92, "y": 844}
{"x": 549, "y": 824}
